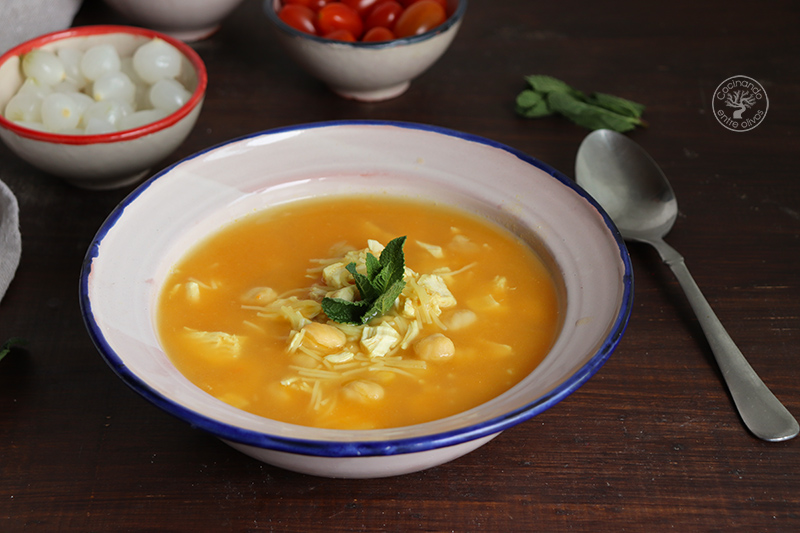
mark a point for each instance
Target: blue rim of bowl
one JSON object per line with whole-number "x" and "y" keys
{"x": 366, "y": 447}
{"x": 457, "y": 15}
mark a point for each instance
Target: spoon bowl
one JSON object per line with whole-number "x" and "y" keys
{"x": 636, "y": 194}
{"x": 642, "y": 207}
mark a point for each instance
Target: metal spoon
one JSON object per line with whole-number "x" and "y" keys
{"x": 635, "y": 193}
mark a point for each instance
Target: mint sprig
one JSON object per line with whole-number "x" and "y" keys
{"x": 548, "y": 96}
{"x": 5, "y": 348}
{"x": 378, "y": 289}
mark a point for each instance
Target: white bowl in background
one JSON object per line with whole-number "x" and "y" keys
{"x": 109, "y": 160}
{"x": 187, "y": 20}
{"x": 367, "y": 71}
{"x": 141, "y": 240}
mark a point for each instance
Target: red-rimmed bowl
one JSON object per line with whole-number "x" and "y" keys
{"x": 109, "y": 160}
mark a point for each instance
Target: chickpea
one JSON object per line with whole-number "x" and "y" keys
{"x": 193, "y": 291}
{"x": 304, "y": 361}
{"x": 436, "y": 347}
{"x": 363, "y": 390}
{"x": 341, "y": 357}
{"x": 325, "y": 335}
{"x": 385, "y": 376}
{"x": 462, "y": 319}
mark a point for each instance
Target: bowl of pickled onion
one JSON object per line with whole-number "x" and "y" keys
{"x": 99, "y": 105}
{"x": 335, "y": 45}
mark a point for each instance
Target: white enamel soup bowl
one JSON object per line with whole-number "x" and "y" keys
{"x": 149, "y": 231}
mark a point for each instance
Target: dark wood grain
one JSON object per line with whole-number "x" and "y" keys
{"x": 651, "y": 443}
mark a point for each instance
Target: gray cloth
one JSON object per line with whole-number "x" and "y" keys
{"x": 10, "y": 239}
{"x": 25, "y": 19}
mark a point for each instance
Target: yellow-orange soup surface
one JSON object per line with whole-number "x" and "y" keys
{"x": 213, "y": 324}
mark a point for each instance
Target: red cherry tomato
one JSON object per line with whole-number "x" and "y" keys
{"x": 378, "y": 33}
{"x": 419, "y": 17}
{"x": 340, "y": 35}
{"x": 362, "y": 7}
{"x": 314, "y": 5}
{"x": 298, "y": 17}
{"x": 384, "y": 14}
{"x": 337, "y": 16}
{"x": 407, "y": 3}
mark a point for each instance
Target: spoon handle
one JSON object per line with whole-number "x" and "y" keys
{"x": 760, "y": 410}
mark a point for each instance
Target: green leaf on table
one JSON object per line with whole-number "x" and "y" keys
{"x": 590, "y": 116}
{"x": 531, "y": 104}
{"x": 10, "y": 343}
{"x": 547, "y": 96}
{"x": 547, "y": 84}
{"x": 616, "y": 104}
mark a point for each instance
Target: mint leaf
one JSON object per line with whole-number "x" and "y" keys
{"x": 344, "y": 311}
{"x": 378, "y": 289}
{"x": 590, "y": 116}
{"x": 10, "y": 343}
{"x": 532, "y": 104}
{"x": 547, "y": 84}
{"x": 392, "y": 263}
{"x": 617, "y": 104}
{"x": 373, "y": 266}
{"x": 549, "y": 95}
{"x": 383, "y": 304}
{"x": 364, "y": 284}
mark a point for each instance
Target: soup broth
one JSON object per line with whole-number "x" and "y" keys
{"x": 240, "y": 315}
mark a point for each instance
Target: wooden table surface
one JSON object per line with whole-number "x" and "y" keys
{"x": 651, "y": 443}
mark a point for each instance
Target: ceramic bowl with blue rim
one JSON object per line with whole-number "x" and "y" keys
{"x": 133, "y": 251}
{"x": 367, "y": 71}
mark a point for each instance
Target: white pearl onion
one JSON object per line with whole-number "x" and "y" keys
{"x": 157, "y": 60}
{"x": 111, "y": 111}
{"x": 35, "y": 88}
{"x": 169, "y": 95}
{"x": 97, "y": 92}
{"x": 115, "y": 86}
{"x": 98, "y": 60}
{"x": 43, "y": 66}
{"x": 24, "y": 107}
{"x": 71, "y": 59}
{"x": 60, "y": 112}
{"x": 98, "y": 126}
{"x": 82, "y": 100}
{"x": 141, "y": 118}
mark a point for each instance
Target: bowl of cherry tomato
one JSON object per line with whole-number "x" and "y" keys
{"x": 366, "y": 50}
